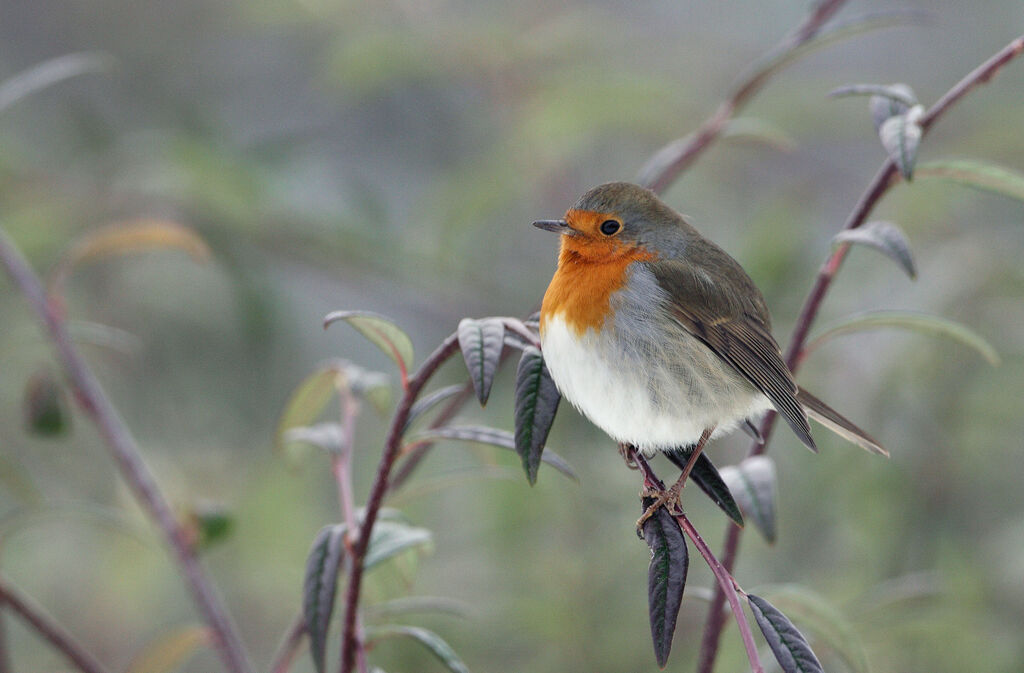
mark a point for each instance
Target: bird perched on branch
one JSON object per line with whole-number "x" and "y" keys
{"x": 659, "y": 337}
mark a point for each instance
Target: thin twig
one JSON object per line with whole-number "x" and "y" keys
{"x": 125, "y": 452}
{"x": 726, "y": 583}
{"x": 61, "y": 640}
{"x": 700, "y": 140}
{"x": 884, "y": 179}
{"x": 289, "y": 647}
{"x": 392, "y": 446}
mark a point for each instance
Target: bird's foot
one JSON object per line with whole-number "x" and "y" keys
{"x": 668, "y": 499}
{"x": 625, "y": 450}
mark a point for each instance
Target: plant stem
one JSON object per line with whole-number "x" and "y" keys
{"x": 884, "y": 179}
{"x": 701, "y": 139}
{"x": 392, "y": 447}
{"x": 125, "y": 452}
{"x": 290, "y": 642}
{"x": 61, "y": 640}
{"x": 726, "y": 583}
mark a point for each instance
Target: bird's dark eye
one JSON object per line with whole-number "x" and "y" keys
{"x": 609, "y": 227}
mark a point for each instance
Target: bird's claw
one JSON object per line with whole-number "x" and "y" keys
{"x": 662, "y": 498}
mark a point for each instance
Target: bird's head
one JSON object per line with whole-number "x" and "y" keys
{"x": 620, "y": 218}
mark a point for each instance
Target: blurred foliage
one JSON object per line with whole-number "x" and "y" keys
{"x": 389, "y": 156}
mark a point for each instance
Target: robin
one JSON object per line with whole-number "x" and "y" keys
{"x": 659, "y": 337}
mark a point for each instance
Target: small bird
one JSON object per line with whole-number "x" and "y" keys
{"x": 659, "y": 337}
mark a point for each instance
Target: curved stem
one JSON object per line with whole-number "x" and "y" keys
{"x": 392, "y": 447}
{"x": 125, "y": 452}
{"x": 61, "y": 640}
{"x": 885, "y": 178}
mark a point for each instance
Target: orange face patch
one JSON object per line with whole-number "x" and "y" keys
{"x": 591, "y": 267}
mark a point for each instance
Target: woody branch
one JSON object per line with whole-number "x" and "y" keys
{"x": 884, "y": 179}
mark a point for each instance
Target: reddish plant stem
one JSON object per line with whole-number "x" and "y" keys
{"x": 125, "y": 452}
{"x": 392, "y": 447}
{"x": 726, "y": 583}
{"x": 61, "y": 640}
{"x": 886, "y": 176}
{"x": 701, "y": 139}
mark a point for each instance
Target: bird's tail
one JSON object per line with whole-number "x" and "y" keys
{"x": 837, "y": 423}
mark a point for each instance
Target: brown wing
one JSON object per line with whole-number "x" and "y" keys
{"x": 734, "y": 326}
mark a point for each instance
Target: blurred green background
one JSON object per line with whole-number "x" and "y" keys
{"x": 347, "y": 154}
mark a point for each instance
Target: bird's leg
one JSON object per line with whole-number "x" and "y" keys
{"x": 625, "y": 450}
{"x": 670, "y": 497}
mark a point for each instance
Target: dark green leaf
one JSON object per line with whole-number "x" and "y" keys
{"x": 391, "y": 538}
{"x": 429, "y": 401}
{"x": 901, "y": 136}
{"x": 46, "y": 406}
{"x": 976, "y": 174}
{"x": 707, "y": 478}
{"x": 788, "y": 644}
{"x": 823, "y": 620}
{"x": 433, "y": 642}
{"x": 320, "y": 587}
{"x": 666, "y": 576}
{"x": 536, "y": 402}
{"x": 494, "y": 437}
{"x": 481, "y": 342}
{"x": 753, "y": 484}
{"x": 885, "y": 237}
{"x": 920, "y": 322}
{"x": 382, "y": 332}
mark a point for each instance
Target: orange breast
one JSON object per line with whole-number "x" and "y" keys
{"x": 583, "y": 285}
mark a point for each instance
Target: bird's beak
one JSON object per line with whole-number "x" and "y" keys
{"x": 557, "y": 226}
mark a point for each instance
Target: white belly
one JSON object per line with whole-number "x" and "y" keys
{"x": 654, "y": 409}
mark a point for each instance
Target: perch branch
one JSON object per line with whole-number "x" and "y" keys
{"x": 884, "y": 179}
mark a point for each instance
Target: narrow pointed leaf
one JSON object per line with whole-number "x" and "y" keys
{"x": 51, "y": 72}
{"x": 307, "y": 401}
{"x": 121, "y": 238}
{"x": 431, "y": 400}
{"x": 391, "y": 538}
{"x": 897, "y": 92}
{"x": 885, "y": 237}
{"x": 754, "y": 485}
{"x": 828, "y": 625}
{"x": 976, "y": 174}
{"x": 382, "y": 332}
{"x": 666, "y": 577}
{"x": 787, "y": 643}
{"x": 536, "y": 402}
{"x": 433, "y": 642}
{"x": 329, "y": 437}
{"x": 170, "y": 650}
{"x": 919, "y": 322}
{"x": 481, "y": 342}
{"x": 494, "y": 437}
{"x": 752, "y": 129}
{"x": 708, "y": 479}
{"x": 887, "y": 100}
{"x": 320, "y": 587}
{"x": 901, "y": 136}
